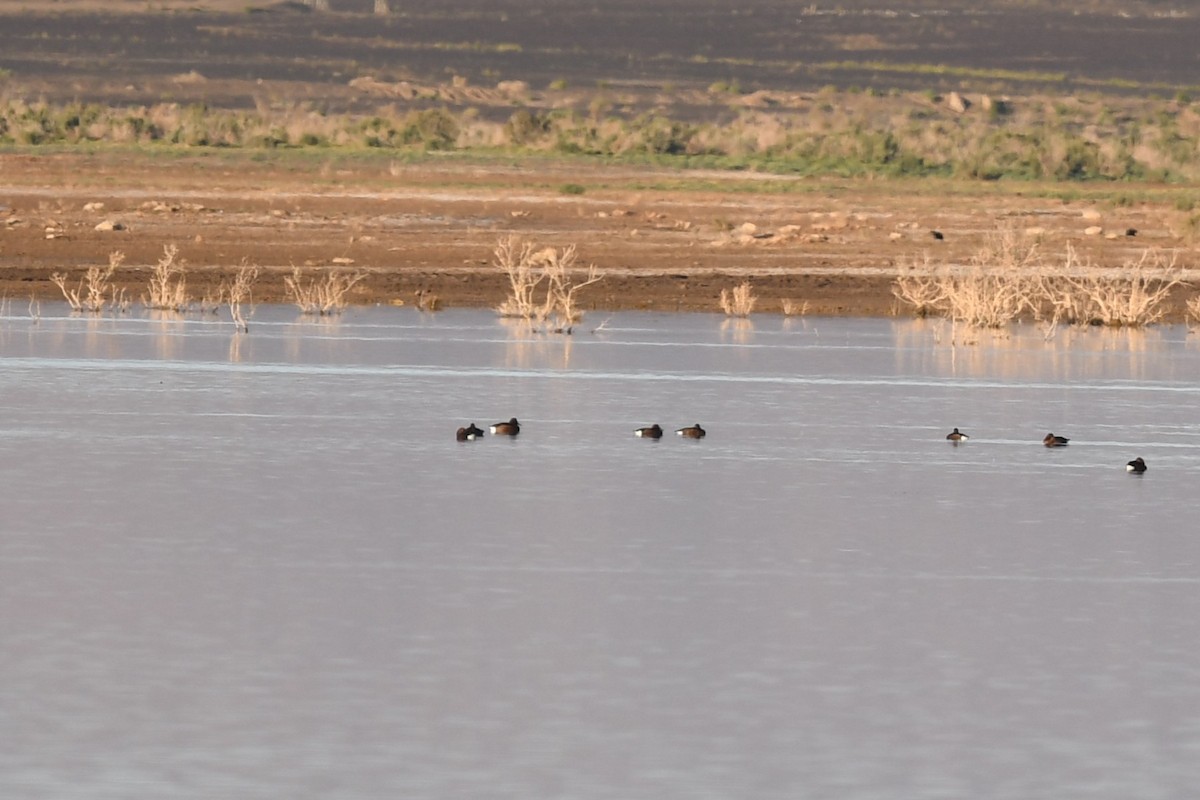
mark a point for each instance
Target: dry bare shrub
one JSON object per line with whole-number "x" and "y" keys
{"x": 238, "y": 290}
{"x": 1193, "y": 307}
{"x": 920, "y": 289}
{"x": 999, "y": 284}
{"x": 983, "y": 298}
{"x": 795, "y": 308}
{"x": 323, "y": 296}
{"x": 528, "y": 269}
{"x": 739, "y": 302}
{"x": 168, "y": 283}
{"x": 1132, "y": 296}
{"x": 95, "y": 284}
{"x": 561, "y": 310}
{"x": 516, "y": 259}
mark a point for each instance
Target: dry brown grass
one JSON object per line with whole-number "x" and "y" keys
{"x": 739, "y": 302}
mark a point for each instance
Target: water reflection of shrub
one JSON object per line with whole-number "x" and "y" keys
{"x": 925, "y": 346}
{"x": 739, "y": 329}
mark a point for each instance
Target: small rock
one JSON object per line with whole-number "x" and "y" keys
{"x": 109, "y": 225}
{"x": 90, "y": 207}
{"x": 1090, "y": 214}
{"x": 342, "y": 261}
{"x": 1093, "y": 230}
{"x": 957, "y": 102}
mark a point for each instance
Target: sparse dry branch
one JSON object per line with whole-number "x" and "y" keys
{"x": 527, "y": 269}
{"x": 563, "y": 311}
{"x": 516, "y": 259}
{"x": 168, "y": 283}
{"x": 1009, "y": 278}
{"x": 795, "y": 308}
{"x": 983, "y": 298}
{"x": 1132, "y": 297}
{"x": 96, "y": 283}
{"x": 1193, "y": 307}
{"x": 121, "y": 302}
{"x": 239, "y": 291}
{"x": 325, "y": 296}
{"x": 739, "y": 302}
{"x": 921, "y": 289}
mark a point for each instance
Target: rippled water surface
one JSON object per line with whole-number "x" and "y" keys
{"x": 261, "y": 566}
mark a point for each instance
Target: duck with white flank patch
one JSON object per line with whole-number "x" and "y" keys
{"x": 510, "y": 428}
{"x": 653, "y": 432}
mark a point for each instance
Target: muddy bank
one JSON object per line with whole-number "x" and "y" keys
{"x": 664, "y": 240}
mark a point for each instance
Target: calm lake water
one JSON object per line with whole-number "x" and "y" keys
{"x": 260, "y": 566}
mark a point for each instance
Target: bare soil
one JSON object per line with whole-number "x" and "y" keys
{"x": 664, "y": 240}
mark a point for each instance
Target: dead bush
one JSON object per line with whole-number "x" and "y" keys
{"x": 91, "y": 293}
{"x": 529, "y": 270}
{"x": 238, "y": 291}
{"x": 1134, "y": 295}
{"x": 168, "y": 283}
{"x": 739, "y": 302}
{"x": 323, "y": 296}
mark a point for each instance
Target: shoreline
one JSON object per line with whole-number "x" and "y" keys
{"x": 427, "y": 230}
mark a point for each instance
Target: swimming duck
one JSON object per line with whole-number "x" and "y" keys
{"x": 694, "y": 432}
{"x": 510, "y": 428}
{"x": 1136, "y": 466}
{"x": 469, "y": 433}
{"x": 653, "y": 432}
{"x": 957, "y": 436}
{"x": 1055, "y": 441}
